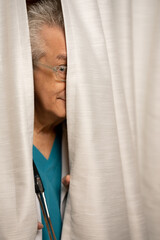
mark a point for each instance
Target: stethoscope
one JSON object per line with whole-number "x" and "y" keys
{"x": 39, "y": 189}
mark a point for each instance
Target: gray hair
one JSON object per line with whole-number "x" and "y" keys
{"x": 44, "y": 12}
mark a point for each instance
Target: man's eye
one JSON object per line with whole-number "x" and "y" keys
{"x": 62, "y": 69}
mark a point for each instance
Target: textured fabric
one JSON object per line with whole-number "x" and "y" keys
{"x": 113, "y": 118}
{"x": 50, "y": 173}
{"x": 18, "y": 219}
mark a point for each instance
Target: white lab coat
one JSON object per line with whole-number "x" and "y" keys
{"x": 65, "y": 171}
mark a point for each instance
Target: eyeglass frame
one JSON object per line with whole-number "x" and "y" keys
{"x": 53, "y": 68}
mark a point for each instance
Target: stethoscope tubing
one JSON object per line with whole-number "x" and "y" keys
{"x": 39, "y": 189}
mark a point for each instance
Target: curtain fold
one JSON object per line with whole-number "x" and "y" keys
{"x": 113, "y": 119}
{"x": 17, "y": 199}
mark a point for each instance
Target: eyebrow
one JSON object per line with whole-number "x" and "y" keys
{"x": 61, "y": 57}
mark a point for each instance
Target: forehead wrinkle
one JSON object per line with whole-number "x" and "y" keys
{"x": 61, "y": 57}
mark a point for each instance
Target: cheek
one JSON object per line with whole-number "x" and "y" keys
{"x": 45, "y": 94}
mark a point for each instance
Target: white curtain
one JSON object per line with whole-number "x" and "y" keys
{"x": 113, "y": 118}
{"x": 113, "y": 115}
{"x": 17, "y": 199}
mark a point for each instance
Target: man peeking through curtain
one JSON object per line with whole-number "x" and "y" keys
{"x": 50, "y": 68}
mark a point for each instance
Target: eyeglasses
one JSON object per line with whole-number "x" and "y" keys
{"x": 60, "y": 71}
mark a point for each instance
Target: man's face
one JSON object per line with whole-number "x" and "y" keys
{"x": 50, "y": 95}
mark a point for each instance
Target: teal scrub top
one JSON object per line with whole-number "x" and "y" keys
{"x": 50, "y": 173}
